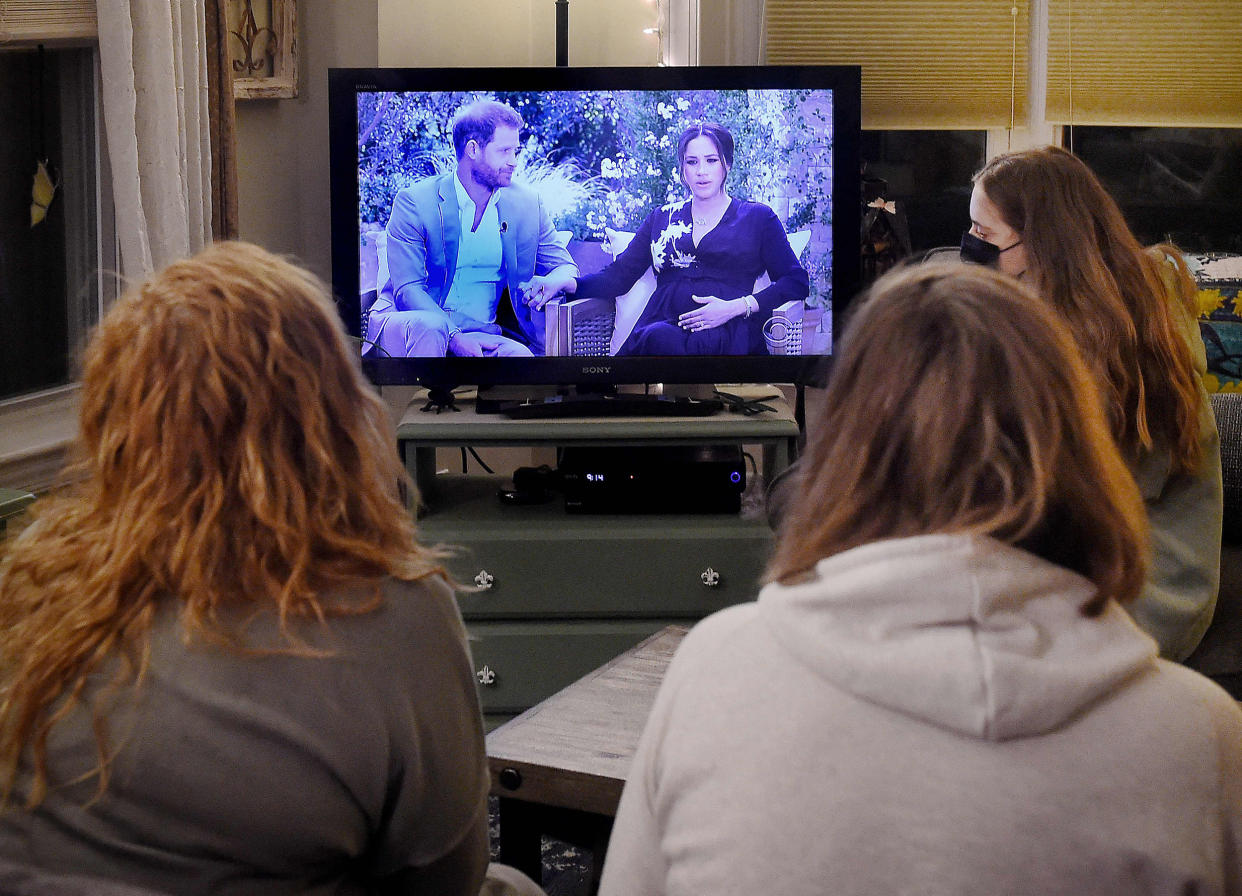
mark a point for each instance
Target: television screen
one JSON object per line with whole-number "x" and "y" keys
{"x": 594, "y": 226}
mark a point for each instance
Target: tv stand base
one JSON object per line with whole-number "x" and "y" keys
{"x": 500, "y": 399}
{"x": 440, "y": 399}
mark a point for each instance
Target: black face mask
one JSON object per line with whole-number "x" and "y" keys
{"x": 979, "y": 251}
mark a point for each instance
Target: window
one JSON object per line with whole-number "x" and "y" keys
{"x": 927, "y": 173}
{"x": 1179, "y": 184}
{"x": 925, "y": 63}
{"x": 1129, "y": 63}
{"x": 56, "y": 276}
{"x": 50, "y": 273}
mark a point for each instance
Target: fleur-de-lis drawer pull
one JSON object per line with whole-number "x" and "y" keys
{"x": 484, "y": 579}
{"x": 486, "y": 676}
{"x": 710, "y": 577}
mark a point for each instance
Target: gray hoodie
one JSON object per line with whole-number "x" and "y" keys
{"x": 930, "y": 715}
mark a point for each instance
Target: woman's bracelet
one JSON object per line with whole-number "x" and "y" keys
{"x": 751, "y": 303}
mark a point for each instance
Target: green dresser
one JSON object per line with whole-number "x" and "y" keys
{"x": 12, "y": 503}
{"x": 557, "y": 594}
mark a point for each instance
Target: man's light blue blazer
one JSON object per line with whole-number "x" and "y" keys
{"x": 424, "y": 232}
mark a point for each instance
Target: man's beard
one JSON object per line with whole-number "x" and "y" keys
{"x": 489, "y": 178}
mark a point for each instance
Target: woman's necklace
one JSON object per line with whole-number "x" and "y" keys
{"x": 711, "y": 217}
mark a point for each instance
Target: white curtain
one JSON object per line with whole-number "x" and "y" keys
{"x": 154, "y": 73}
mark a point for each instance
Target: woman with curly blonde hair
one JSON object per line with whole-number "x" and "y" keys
{"x": 227, "y": 664}
{"x": 937, "y": 690}
{"x": 1043, "y": 216}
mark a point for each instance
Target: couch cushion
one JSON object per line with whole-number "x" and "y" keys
{"x": 1219, "y": 278}
{"x": 1219, "y": 654}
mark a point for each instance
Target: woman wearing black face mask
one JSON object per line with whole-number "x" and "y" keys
{"x": 1043, "y": 216}
{"x": 977, "y": 250}
{"x": 991, "y": 241}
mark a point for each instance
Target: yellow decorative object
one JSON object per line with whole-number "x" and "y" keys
{"x": 1210, "y": 300}
{"x": 41, "y": 194}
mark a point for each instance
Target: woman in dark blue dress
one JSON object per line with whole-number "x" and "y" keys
{"x": 706, "y": 252}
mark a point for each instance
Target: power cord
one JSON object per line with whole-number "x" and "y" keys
{"x": 748, "y": 406}
{"x": 477, "y": 459}
{"x": 364, "y": 344}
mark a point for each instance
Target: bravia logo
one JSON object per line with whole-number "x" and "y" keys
{"x": 596, "y": 369}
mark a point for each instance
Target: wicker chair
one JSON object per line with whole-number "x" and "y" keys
{"x": 597, "y": 327}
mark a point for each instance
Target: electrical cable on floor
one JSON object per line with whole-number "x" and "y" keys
{"x": 477, "y": 459}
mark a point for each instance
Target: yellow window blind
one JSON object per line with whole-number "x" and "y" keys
{"x": 28, "y": 22}
{"x": 1138, "y": 62}
{"x": 940, "y": 64}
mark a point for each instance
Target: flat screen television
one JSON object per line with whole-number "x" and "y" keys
{"x": 599, "y": 148}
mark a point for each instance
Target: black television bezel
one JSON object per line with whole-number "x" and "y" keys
{"x": 345, "y": 83}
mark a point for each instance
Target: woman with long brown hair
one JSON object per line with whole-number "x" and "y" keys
{"x": 227, "y": 664}
{"x": 1043, "y": 216}
{"x": 938, "y": 689}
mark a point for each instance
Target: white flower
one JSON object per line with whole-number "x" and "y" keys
{"x": 681, "y": 260}
{"x": 662, "y": 243}
{"x": 682, "y": 104}
{"x": 666, "y": 112}
{"x": 651, "y": 169}
{"x": 609, "y": 168}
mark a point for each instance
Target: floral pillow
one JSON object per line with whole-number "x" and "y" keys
{"x": 1220, "y": 318}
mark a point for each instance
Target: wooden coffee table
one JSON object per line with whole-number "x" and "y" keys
{"x": 558, "y": 768}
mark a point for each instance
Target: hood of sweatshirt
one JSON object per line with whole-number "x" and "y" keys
{"x": 961, "y": 631}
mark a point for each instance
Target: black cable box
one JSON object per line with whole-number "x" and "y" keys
{"x": 672, "y": 479}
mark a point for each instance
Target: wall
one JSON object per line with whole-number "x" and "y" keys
{"x": 420, "y": 33}
{"x": 282, "y": 145}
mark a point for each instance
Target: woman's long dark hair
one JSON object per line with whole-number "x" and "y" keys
{"x": 959, "y": 404}
{"x": 1114, "y": 294}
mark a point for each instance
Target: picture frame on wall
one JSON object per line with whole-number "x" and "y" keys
{"x": 263, "y": 48}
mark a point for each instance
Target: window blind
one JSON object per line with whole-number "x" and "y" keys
{"x": 1136, "y": 62}
{"x": 940, "y": 64}
{"x": 29, "y": 22}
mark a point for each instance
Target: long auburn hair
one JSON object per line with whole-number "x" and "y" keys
{"x": 1113, "y": 293}
{"x": 231, "y": 455}
{"x": 958, "y": 404}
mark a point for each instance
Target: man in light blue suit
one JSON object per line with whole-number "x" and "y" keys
{"x": 458, "y": 243}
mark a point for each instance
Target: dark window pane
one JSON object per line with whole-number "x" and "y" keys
{"x": 928, "y": 174}
{"x": 42, "y": 104}
{"x": 1179, "y": 184}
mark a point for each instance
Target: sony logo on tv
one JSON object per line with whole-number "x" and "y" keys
{"x": 596, "y": 369}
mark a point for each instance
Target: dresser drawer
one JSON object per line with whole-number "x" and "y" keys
{"x": 519, "y": 664}
{"x": 622, "y": 573}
